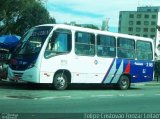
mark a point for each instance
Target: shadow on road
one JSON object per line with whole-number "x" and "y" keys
{"x": 33, "y": 86}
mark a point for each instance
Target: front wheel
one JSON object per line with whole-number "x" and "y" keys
{"x": 124, "y": 82}
{"x": 60, "y": 81}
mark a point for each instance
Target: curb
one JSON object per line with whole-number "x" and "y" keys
{"x": 4, "y": 82}
{"x": 153, "y": 83}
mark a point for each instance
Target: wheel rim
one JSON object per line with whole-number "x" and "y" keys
{"x": 60, "y": 82}
{"x": 124, "y": 82}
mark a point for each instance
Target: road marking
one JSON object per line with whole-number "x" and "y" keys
{"x": 157, "y": 94}
{"x": 102, "y": 95}
{"x": 134, "y": 95}
{"x": 74, "y": 98}
{"x": 56, "y": 97}
{"x": 121, "y": 95}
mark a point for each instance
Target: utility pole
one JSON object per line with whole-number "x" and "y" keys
{"x": 105, "y": 24}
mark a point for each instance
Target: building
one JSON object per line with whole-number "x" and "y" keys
{"x": 142, "y": 22}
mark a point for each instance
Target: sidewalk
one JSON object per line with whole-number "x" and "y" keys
{"x": 5, "y": 82}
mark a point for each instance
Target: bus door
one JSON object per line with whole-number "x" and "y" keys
{"x": 84, "y": 57}
{"x": 57, "y": 49}
{"x": 106, "y": 53}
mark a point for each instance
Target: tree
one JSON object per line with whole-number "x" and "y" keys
{"x": 91, "y": 26}
{"x": 17, "y": 16}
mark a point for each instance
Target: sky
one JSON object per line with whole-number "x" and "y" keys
{"x": 93, "y": 11}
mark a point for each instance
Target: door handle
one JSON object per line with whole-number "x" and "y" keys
{"x": 95, "y": 62}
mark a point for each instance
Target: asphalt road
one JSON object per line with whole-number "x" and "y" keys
{"x": 42, "y": 100}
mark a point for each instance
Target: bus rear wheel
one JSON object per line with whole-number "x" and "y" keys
{"x": 60, "y": 81}
{"x": 124, "y": 83}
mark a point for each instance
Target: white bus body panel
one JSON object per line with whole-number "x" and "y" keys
{"x": 83, "y": 69}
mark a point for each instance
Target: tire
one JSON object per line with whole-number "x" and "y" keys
{"x": 1, "y": 70}
{"x": 60, "y": 81}
{"x": 124, "y": 83}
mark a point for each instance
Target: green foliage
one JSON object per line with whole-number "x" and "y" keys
{"x": 92, "y": 27}
{"x": 17, "y": 16}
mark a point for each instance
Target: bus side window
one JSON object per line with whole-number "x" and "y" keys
{"x": 60, "y": 42}
{"x": 126, "y": 48}
{"x": 51, "y": 41}
{"x": 144, "y": 50}
{"x": 84, "y": 44}
{"x": 106, "y": 46}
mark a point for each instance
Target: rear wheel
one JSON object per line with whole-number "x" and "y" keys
{"x": 124, "y": 82}
{"x": 60, "y": 81}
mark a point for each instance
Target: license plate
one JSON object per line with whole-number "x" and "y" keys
{"x": 16, "y": 78}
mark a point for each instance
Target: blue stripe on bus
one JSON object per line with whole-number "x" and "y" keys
{"x": 108, "y": 71}
{"x": 139, "y": 70}
{"x": 118, "y": 64}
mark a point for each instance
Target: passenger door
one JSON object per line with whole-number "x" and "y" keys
{"x": 83, "y": 62}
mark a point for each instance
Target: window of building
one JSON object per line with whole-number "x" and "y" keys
{"x": 138, "y": 29}
{"x": 144, "y": 50}
{"x": 84, "y": 43}
{"x": 145, "y": 29}
{"x": 131, "y": 16}
{"x": 106, "y": 46}
{"x": 125, "y": 48}
{"x": 153, "y": 30}
{"x": 138, "y": 22}
{"x": 146, "y": 22}
{"x": 131, "y": 22}
{"x": 130, "y": 29}
{"x": 145, "y": 35}
{"x": 153, "y": 23}
{"x": 137, "y": 34}
{"x": 139, "y": 15}
{"x": 155, "y": 10}
{"x": 148, "y": 10}
{"x": 152, "y": 36}
{"x": 146, "y": 16}
{"x": 154, "y": 16}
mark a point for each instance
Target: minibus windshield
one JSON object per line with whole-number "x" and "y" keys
{"x": 33, "y": 40}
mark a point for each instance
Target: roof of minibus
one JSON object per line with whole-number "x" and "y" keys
{"x": 76, "y": 28}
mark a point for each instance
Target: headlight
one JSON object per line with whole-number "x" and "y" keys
{"x": 32, "y": 64}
